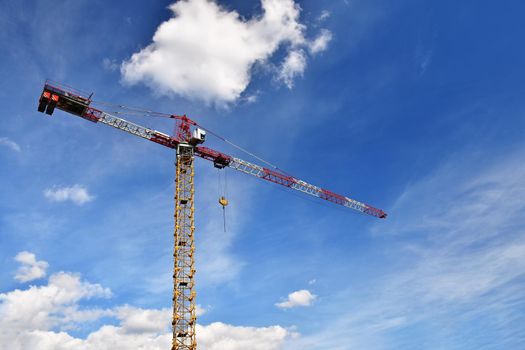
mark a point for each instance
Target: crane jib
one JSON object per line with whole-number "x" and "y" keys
{"x": 73, "y": 102}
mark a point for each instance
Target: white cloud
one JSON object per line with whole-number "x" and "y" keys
{"x": 293, "y": 66}
{"x": 39, "y": 318}
{"x": 206, "y": 52}
{"x": 47, "y": 307}
{"x": 77, "y": 194}
{"x": 10, "y": 144}
{"x": 321, "y": 42}
{"x": 220, "y": 336}
{"x": 216, "y": 336}
{"x": 137, "y": 320}
{"x": 199, "y": 310}
{"x": 30, "y": 269}
{"x": 299, "y": 298}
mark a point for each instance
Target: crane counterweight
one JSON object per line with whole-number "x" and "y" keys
{"x": 55, "y": 96}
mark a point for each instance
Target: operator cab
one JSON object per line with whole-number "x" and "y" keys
{"x": 197, "y": 137}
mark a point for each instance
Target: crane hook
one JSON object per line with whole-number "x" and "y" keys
{"x": 223, "y": 201}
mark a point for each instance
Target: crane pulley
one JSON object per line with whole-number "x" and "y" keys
{"x": 187, "y": 142}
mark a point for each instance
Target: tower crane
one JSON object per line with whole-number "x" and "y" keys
{"x": 187, "y": 142}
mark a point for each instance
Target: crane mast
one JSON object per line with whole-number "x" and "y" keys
{"x": 185, "y": 142}
{"x": 184, "y": 317}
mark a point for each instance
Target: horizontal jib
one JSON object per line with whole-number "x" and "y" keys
{"x": 331, "y": 196}
{"x": 278, "y": 178}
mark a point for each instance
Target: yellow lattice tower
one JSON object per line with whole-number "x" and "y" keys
{"x": 184, "y": 317}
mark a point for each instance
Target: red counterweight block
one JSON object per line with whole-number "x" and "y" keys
{"x": 48, "y": 102}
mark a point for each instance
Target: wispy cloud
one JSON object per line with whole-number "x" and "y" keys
{"x": 292, "y": 67}
{"x": 423, "y": 58}
{"x": 77, "y": 194}
{"x": 10, "y": 144}
{"x": 323, "y": 16}
{"x": 459, "y": 255}
{"x": 110, "y": 64}
{"x": 30, "y": 268}
{"x": 320, "y": 43}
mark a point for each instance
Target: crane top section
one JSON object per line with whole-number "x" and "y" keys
{"x": 189, "y": 133}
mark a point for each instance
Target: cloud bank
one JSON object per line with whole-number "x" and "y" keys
{"x": 206, "y": 52}
{"x": 40, "y": 317}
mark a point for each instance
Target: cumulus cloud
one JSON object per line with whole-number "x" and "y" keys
{"x": 137, "y": 320}
{"x": 39, "y": 317}
{"x": 207, "y": 52}
{"x": 216, "y": 336}
{"x": 10, "y": 144}
{"x": 220, "y": 336}
{"x": 31, "y": 269}
{"x": 42, "y": 308}
{"x": 77, "y": 194}
{"x": 299, "y": 298}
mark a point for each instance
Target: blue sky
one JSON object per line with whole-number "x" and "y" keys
{"x": 412, "y": 106}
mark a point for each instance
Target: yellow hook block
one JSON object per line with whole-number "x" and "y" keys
{"x": 223, "y": 201}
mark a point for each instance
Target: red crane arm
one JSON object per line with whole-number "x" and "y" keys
{"x": 221, "y": 160}
{"x": 74, "y": 103}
